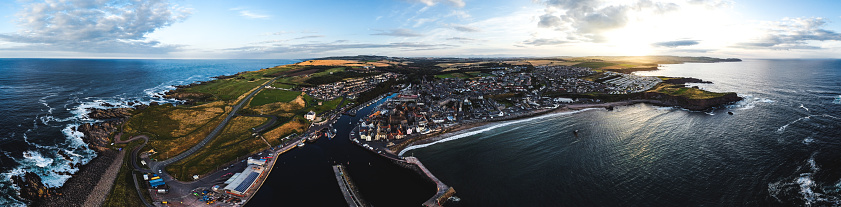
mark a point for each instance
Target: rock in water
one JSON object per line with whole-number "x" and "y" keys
{"x": 31, "y": 188}
{"x": 109, "y": 113}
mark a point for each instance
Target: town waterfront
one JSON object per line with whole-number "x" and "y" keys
{"x": 779, "y": 148}
{"x": 304, "y": 176}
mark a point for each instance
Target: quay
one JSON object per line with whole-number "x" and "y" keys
{"x": 349, "y": 190}
{"x": 444, "y": 191}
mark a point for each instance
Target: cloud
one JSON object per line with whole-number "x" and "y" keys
{"x": 712, "y": 4}
{"x": 102, "y": 26}
{"x": 676, "y": 43}
{"x": 792, "y": 34}
{"x": 250, "y": 14}
{"x": 587, "y": 20}
{"x": 308, "y": 37}
{"x": 544, "y": 41}
{"x": 429, "y": 3}
{"x": 398, "y": 33}
{"x": 464, "y": 28}
{"x": 462, "y": 39}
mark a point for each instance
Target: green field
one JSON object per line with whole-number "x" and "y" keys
{"x": 681, "y": 91}
{"x": 173, "y": 130}
{"x": 123, "y": 193}
{"x": 267, "y": 96}
{"x": 453, "y": 75}
{"x": 282, "y": 85}
{"x": 225, "y": 90}
{"x": 594, "y": 65}
{"x": 234, "y": 141}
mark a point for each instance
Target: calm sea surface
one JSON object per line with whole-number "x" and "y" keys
{"x": 781, "y": 147}
{"x": 41, "y": 100}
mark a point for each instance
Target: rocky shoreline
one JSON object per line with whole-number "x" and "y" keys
{"x": 75, "y": 191}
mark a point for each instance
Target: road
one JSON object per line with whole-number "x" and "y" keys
{"x": 183, "y": 188}
{"x": 159, "y": 166}
{"x": 267, "y": 125}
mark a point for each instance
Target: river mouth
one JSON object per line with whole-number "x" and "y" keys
{"x": 304, "y": 176}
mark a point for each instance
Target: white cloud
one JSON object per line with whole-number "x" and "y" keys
{"x": 398, "y": 33}
{"x": 796, "y": 33}
{"x": 588, "y": 20}
{"x": 250, "y": 14}
{"x": 98, "y": 26}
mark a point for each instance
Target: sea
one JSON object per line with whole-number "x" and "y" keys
{"x": 780, "y": 147}
{"x": 43, "y": 100}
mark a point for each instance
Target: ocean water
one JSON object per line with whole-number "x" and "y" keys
{"x": 42, "y": 100}
{"x": 781, "y": 147}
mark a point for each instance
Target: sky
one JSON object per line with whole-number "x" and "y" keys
{"x": 284, "y": 29}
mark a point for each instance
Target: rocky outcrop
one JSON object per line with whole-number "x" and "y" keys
{"x": 96, "y": 134}
{"x": 693, "y": 104}
{"x": 684, "y": 81}
{"x": 189, "y": 98}
{"x": 103, "y": 114}
{"x": 32, "y": 189}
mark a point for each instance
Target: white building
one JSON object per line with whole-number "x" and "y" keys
{"x": 310, "y": 116}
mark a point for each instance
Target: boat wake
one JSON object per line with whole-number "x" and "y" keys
{"x": 469, "y": 133}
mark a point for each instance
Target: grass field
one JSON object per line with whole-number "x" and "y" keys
{"x": 123, "y": 193}
{"x": 453, "y": 75}
{"x": 679, "y": 90}
{"x": 296, "y": 125}
{"x": 282, "y": 85}
{"x": 268, "y": 96}
{"x": 234, "y": 141}
{"x": 227, "y": 89}
{"x": 174, "y": 129}
{"x": 594, "y": 65}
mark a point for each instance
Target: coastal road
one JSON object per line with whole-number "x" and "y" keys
{"x": 272, "y": 120}
{"x": 159, "y": 166}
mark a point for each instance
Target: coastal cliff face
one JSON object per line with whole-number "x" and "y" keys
{"x": 96, "y": 134}
{"x": 693, "y": 104}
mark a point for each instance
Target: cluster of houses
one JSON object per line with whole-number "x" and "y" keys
{"x": 401, "y": 116}
{"x": 350, "y": 87}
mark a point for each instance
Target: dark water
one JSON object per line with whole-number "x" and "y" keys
{"x": 304, "y": 176}
{"x": 41, "y": 100}
{"x": 782, "y": 147}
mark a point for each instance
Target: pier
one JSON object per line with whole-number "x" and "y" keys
{"x": 348, "y": 189}
{"x": 444, "y": 191}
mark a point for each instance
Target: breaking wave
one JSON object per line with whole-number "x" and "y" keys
{"x": 469, "y": 133}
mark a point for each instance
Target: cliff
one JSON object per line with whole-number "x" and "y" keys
{"x": 97, "y": 134}
{"x": 692, "y": 104}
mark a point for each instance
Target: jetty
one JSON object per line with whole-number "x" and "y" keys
{"x": 444, "y": 191}
{"x": 349, "y": 190}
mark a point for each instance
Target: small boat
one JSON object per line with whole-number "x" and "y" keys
{"x": 301, "y": 144}
{"x": 837, "y": 100}
{"x": 730, "y": 112}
